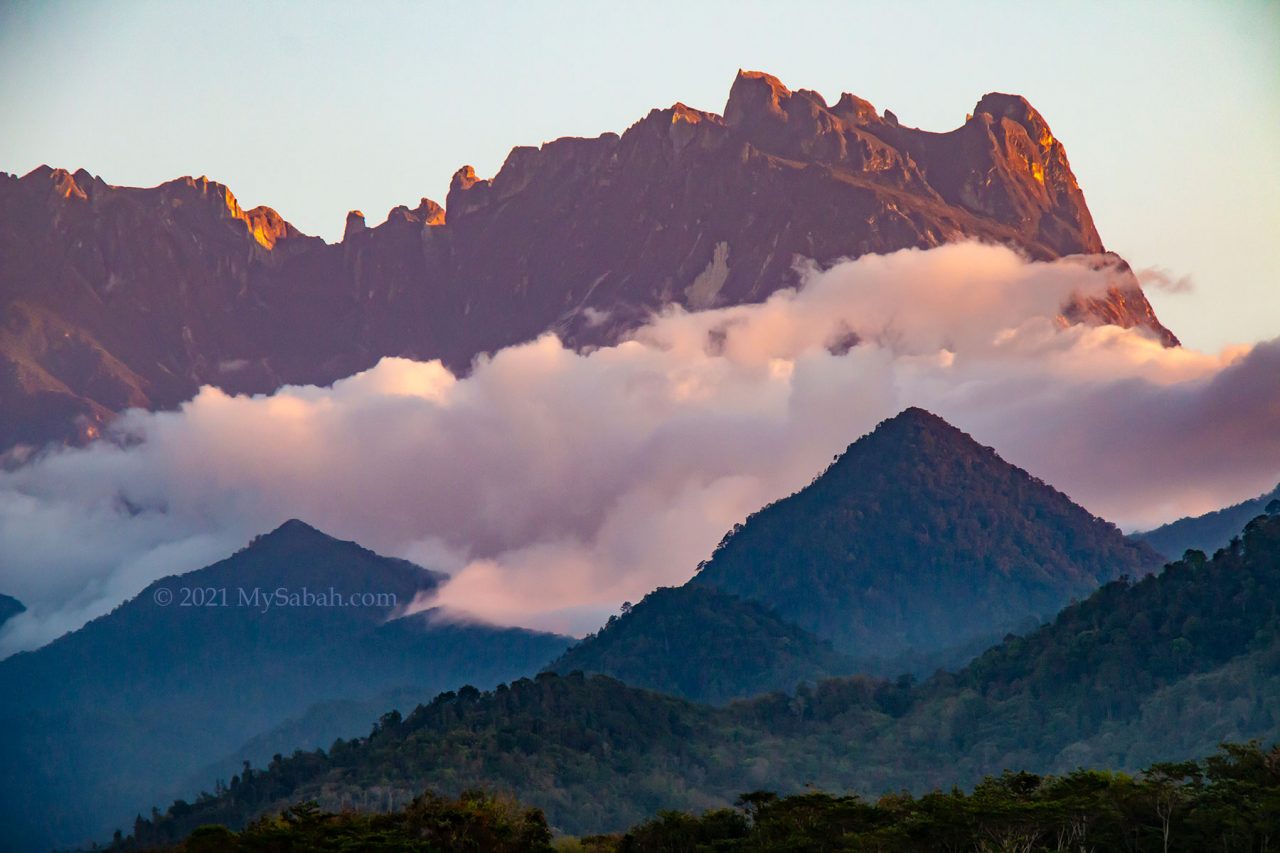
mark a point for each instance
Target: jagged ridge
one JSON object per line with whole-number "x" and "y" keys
{"x": 117, "y": 296}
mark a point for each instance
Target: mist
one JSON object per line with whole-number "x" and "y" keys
{"x": 553, "y": 485}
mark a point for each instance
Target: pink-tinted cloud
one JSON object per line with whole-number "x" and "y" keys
{"x": 554, "y": 484}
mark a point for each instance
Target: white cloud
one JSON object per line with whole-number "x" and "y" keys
{"x": 553, "y": 485}
{"x": 1165, "y": 280}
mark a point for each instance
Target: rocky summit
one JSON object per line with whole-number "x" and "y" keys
{"x": 113, "y": 297}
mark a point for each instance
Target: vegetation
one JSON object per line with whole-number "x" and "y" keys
{"x": 705, "y": 645}
{"x": 474, "y": 821}
{"x": 917, "y": 550}
{"x": 119, "y": 714}
{"x": 1210, "y": 531}
{"x": 1228, "y": 802}
{"x": 596, "y": 755}
{"x": 918, "y": 539}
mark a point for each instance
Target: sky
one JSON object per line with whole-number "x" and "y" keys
{"x": 1170, "y": 112}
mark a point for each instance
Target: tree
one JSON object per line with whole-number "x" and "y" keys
{"x": 1169, "y": 786}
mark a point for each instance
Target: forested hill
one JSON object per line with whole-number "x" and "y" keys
{"x": 916, "y": 539}
{"x": 916, "y": 549}
{"x": 1128, "y": 650}
{"x": 706, "y": 645}
{"x": 1207, "y": 532}
{"x": 1228, "y": 802}
{"x": 117, "y": 714}
{"x": 598, "y": 755}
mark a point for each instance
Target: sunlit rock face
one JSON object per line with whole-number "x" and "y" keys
{"x": 117, "y": 296}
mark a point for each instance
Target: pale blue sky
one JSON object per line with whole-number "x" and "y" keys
{"x": 1170, "y": 111}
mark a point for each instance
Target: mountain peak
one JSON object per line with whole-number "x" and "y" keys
{"x": 292, "y": 535}
{"x": 857, "y": 110}
{"x": 9, "y": 607}
{"x": 916, "y": 540}
{"x": 755, "y": 95}
{"x": 296, "y": 555}
{"x": 613, "y": 225}
{"x": 293, "y": 524}
{"x": 467, "y": 192}
{"x": 914, "y": 424}
{"x": 917, "y": 415}
{"x": 61, "y": 182}
{"x": 355, "y": 224}
{"x": 1000, "y": 105}
{"x": 295, "y": 529}
{"x": 267, "y": 226}
{"x": 262, "y": 224}
{"x": 193, "y": 667}
{"x": 429, "y": 212}
{"x": 463, "y": 179}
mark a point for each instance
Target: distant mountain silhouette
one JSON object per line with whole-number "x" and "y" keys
{"x": 119, "y": 296}
{"x": 9, "y": 608}
{"x": 1157, "y": 670}
{"x": 100, "y": 723}
{"x": 1207, "y": 532}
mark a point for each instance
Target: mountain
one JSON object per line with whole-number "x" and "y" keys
{"x": 109, "y": 719}
{"x": 915, "y": 540}
{"x": 1207, "y": 532}
{"x": 916, "y": 549}
{"x": 120, "y": 296}
{"x": 596, "y": 755}
{"x": 315, "y": 728}
{"x": 705, "y": 645}
{"x": 9, "y": 608}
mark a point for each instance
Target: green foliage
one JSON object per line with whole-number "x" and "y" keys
{"x": 475, "y": 821}
{"x": 705, "y": 645}
{"x": 128, "y": 709}
{"x": 1207, "y": 532}
{"x": 916, "y": 540}
{"x": 596, "y": 755}
{"x": 1102, "y": 658}
{"x": 1228, "y": 802}
{"x": 917, "y": 549}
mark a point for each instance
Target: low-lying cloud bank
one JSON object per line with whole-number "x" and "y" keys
{"x": 553, "y": 485}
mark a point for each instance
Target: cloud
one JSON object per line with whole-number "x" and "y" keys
{"x": 1165, "y": 280}
{"x": 553, "y": 484}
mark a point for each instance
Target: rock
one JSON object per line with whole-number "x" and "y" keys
{"x": 160, "y": 288}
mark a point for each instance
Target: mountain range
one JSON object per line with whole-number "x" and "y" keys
{"x": 1131, "y": 675}
{"x": 917, "y": 548}
{"x": 921, "y": 613}
{"x": 916, "y": 544}
{"x": 1207, "y": 532}
{"x": 117, "y": 297}
{"x": 116, "y": 716}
